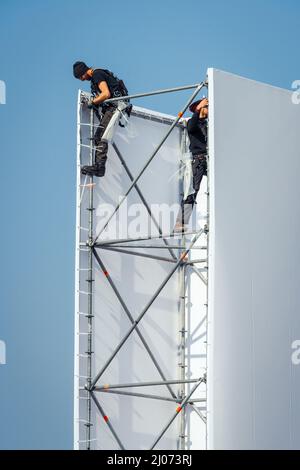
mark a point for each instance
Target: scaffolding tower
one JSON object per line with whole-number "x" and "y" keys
{"x": 176, "y": 251}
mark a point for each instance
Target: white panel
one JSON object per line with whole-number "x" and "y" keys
{"x": 254, "y": 300}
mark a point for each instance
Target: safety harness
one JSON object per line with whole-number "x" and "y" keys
{"x": 117, "y": 88}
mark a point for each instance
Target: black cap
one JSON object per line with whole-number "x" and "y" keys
{"x": 79, "y": 68}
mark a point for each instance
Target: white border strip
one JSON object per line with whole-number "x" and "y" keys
{"x": 77, "y": 277}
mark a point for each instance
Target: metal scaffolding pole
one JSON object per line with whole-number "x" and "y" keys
{"x": 207, "y": 276}
{"x": 152, "y": 93}
{"x": 90, "y": 281}
{"x": 144, "y": 384}
{"x": 198, "y": 412}
{"x": 154, "y": 247}
{"x": 142, "y": 255}
{"x": 150, "y": 396}
{"x": 148, "y": 237}
{"x": 199, "y": 274}
{"x": 138, "y": 395}
{"x": 182, "y": 365}
{"x": 106, "y": 419}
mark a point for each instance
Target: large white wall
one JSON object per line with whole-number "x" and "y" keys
{"x": 254, "y": 296}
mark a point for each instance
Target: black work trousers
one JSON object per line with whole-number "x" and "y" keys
{"x": 199, "y": 167}
{"x": 102, "y": 147}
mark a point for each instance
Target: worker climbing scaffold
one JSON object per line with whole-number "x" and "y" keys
{"x": 195, "y": 164}
{"x": 104, "y": 85}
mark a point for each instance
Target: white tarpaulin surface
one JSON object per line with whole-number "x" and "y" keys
{"x": 254, "y": 301}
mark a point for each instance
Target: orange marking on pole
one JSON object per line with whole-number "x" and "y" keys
{"x": 178, "y": 409}
{"x": 180, "y": 114}
{"x": 89, "y": 185}
{"x": 105, "y": 418}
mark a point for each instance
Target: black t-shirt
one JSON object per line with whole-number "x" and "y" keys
{"x": 100, "y": 75}
{"x": 197, "y": 130}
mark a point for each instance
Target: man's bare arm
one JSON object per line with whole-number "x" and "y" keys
{"x": 104, "y": 93}
{"x": 201, "y": 105}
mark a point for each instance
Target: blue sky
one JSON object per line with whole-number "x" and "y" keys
{"x": 150, "y": 45}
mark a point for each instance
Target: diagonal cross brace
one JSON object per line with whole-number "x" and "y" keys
{"x": 142, "y": 197}
{"x": 151, "y": 157}
{"x": 178, "y": 410}
{"x": 106, "y": 420}
{"x": 203, "y": 279}
{"x": 145, "y": 310}
{"x": 102, "y": 266}
{"x": 198, "y": 412}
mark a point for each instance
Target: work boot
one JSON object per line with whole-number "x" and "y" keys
{"x": 100, "y": 162}
{"x": 92, "y": 170}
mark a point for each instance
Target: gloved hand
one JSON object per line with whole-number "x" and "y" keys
{"x": 90, "y": 104}
{"x": 84, "y": 99}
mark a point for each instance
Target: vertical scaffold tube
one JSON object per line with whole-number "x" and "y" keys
{"x": 182, "y": 333}
{"x": 90, "y": 291}
{"x": 182, "y": 324}
{"x": 207, "y": 257}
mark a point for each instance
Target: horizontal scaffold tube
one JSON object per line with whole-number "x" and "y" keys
{"x": 153, "y": 93}
{"x": 148, "y": 237}
{"x": 145, "y": 384}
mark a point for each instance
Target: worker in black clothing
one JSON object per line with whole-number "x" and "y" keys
{"x": 104, "y": 85}
{"x": 197, "y": 132}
